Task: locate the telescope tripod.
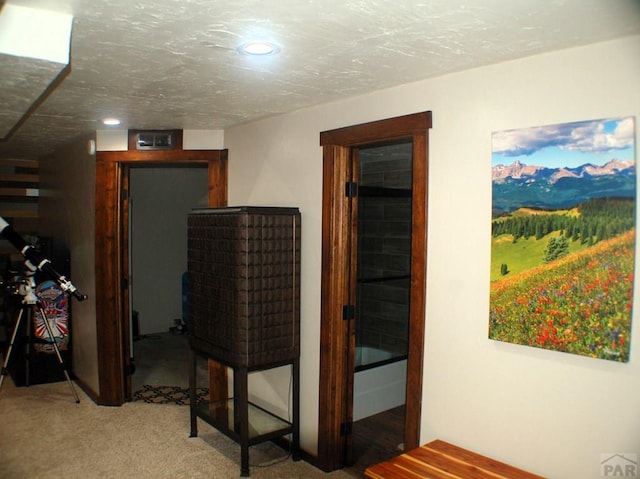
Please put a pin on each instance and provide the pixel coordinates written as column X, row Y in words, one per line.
column 29, row 308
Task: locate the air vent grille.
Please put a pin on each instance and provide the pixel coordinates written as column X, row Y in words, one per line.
column 154, row 140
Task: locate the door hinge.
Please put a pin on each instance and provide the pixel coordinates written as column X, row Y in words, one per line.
column 351, row 189
column 346, row 428
column 124, row 194
column 348, row 311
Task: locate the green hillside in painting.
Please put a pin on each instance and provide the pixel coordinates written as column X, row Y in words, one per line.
column 563, row 280
column 521, row 240
column 578, row 304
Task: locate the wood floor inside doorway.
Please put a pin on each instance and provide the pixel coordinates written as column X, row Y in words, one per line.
column 377, row 438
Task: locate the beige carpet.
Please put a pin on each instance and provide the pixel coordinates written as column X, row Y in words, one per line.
column 44, row 434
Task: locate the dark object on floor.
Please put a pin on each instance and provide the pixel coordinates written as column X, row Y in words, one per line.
column 169, row 395
column 179, row 327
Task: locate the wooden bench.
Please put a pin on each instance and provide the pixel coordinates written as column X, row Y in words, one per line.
column 439, row 460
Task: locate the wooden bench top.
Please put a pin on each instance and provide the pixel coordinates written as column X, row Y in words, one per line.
column 441, row 460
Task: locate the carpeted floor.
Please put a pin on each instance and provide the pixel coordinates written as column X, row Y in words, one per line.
column 161, row 377
column 162, row 359
column 44, row 433
column 162, row 370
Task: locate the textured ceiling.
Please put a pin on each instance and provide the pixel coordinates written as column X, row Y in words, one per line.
column 173, row 64
column 24, row 81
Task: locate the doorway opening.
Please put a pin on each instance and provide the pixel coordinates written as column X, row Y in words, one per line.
column 373, row 295
column 160, row 199
column 112, row 257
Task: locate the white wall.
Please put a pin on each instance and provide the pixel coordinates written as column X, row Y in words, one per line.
column 117, row 139
column 67, row 212
column 549, row 412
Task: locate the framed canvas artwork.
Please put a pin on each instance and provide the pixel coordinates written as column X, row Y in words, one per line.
column 563, row 237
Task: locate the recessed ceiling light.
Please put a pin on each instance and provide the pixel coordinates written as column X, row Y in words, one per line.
column 111, row 121
column 258, row 48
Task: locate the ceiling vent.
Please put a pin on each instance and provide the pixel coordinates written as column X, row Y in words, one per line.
column 155, row 140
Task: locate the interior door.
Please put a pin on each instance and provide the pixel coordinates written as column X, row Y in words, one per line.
column 381, row 209
column 351, row 307
column 384, row 231
column 336, row 334
column 125, row 261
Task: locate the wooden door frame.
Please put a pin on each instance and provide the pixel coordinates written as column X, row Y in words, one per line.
column 334, row 334
column 110, row 252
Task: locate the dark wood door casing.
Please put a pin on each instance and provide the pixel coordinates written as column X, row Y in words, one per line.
column 335, row 290
column 336, row 260
column 109, row 249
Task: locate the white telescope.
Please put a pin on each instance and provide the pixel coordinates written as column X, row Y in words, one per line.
column 36, row 260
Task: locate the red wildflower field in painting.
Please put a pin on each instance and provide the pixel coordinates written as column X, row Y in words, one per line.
column 578, row 304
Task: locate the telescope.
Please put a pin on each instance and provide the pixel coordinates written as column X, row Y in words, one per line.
column 34, row 258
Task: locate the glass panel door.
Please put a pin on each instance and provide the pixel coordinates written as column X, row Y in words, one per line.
column 384, row 253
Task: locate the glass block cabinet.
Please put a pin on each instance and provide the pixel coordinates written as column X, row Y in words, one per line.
column 244, row 313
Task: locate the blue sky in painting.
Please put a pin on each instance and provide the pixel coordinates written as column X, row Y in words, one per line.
column 567, row 144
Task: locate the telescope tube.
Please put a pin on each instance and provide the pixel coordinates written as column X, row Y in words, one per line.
column 38, row 261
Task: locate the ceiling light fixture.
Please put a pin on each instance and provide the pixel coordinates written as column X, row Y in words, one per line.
column 111, row 121
column 258, row 48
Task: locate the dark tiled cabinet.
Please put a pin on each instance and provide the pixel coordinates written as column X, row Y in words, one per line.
column 244, row 312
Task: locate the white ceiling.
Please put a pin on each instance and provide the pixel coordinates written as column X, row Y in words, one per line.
column 163, row 64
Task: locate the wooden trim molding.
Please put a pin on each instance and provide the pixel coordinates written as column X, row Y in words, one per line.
column 335, row 288
column 417, row 309
column 110, row 377
column 389, row 129
column 334, row 386
column 110, row 313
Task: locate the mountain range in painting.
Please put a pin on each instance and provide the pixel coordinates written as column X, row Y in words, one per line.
column 519, row 185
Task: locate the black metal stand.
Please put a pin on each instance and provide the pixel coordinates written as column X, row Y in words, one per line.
column 241, row 420
column 31, row 305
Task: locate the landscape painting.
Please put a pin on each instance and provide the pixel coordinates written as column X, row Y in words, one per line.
column 563, row 237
